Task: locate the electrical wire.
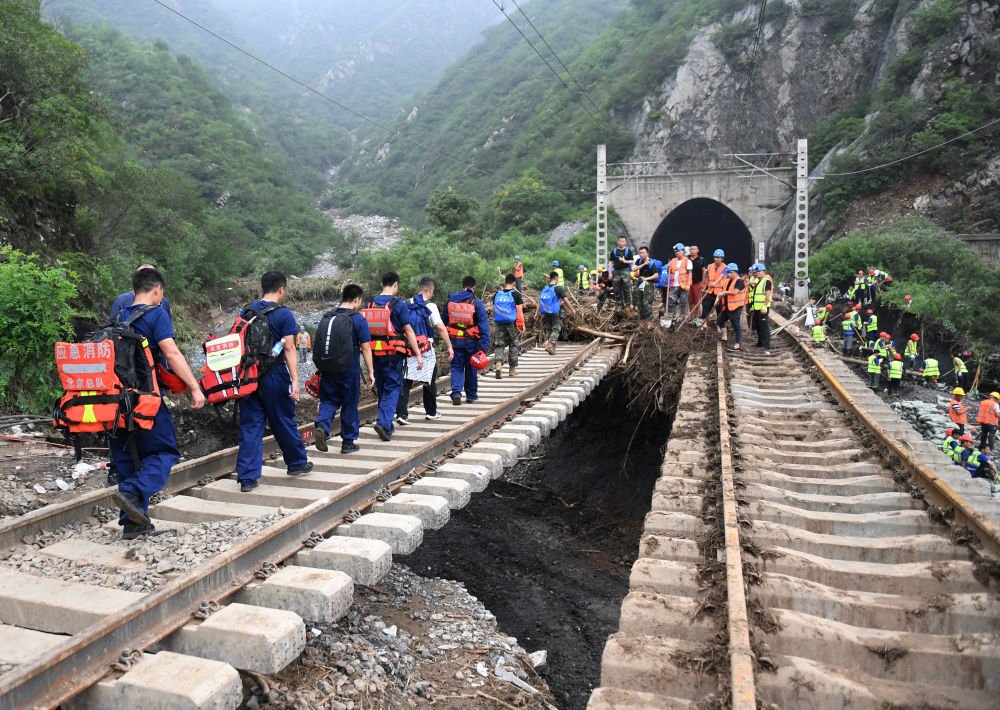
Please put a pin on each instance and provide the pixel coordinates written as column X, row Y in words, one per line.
column 756, row 48
column 541, row 56
column 576, row 81
column 914, row 155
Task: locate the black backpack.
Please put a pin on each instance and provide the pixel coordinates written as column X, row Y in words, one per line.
column 333, row 346
column 257, row 338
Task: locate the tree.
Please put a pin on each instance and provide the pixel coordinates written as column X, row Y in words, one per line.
column 527, row 203
column 449, row 209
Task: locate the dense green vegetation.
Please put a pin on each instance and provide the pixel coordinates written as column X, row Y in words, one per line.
column 948, row 281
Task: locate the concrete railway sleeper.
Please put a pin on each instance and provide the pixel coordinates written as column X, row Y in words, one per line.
column 856, row 591
column 246, row 607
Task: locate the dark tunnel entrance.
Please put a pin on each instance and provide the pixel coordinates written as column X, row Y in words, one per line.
column 709, row 224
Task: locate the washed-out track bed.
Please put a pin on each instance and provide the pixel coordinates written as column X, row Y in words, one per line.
column 233, row 582
column 796, row 557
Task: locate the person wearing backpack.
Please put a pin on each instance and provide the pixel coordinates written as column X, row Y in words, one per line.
column 508, row 325
column 425, row 319
column 622, row 260
column 469, row 329
column 342, row 336
column 143, row 459
column 124, row 300
column 273, row 404
column 550, row 310
column 392, row 332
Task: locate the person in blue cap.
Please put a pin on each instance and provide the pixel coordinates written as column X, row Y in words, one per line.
column 759, row 297
column 556, row 268
column 714, row 277
column 732, row 299
column 582, row 279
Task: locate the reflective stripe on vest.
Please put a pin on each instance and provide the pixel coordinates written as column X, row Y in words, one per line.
column 760, row 297
column 872, row 324
column 987, row 412
column 931, row 368
column 873, row 364
column 910, row 349
column 957, row 412
column 971, row 462
column 736, row 300
column 896, row 370
column 714, row 277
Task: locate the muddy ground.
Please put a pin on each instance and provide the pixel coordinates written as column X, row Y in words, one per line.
column 549, row 547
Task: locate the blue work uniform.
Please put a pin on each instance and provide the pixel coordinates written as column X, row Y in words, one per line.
column 125, row 300
column 342, row 390
column 463, row 374
column 157, row 447
column 389, row 368
column 272, row 406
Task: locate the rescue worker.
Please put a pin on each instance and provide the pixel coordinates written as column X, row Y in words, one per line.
column 342, row 390
column 278, row 390
column 156, row 448
column 987, row 417
column 605, row 289
column 558, row 270
column 698, row 266
column 389, row 353
column 508, row 325
column 857, row 324
column 594, row 275
column 819, row 334
column 647, row 277
column 895, row 373
column 124, row 300
column 949, row 444
column 518, row 273
column 469, row 329
column 713, row 280
column 883, row 346
column 760, row 305
column 957, row 412
column 732, row 299
column 678, row 284
column 822, row 314
column 871, row 326
column 847, row 333
column 582, row 279
column 303, row 342
column 874, row 369
column 550, row 302
column 931, row 370
column 961, row 369
column 910, row 352
column 978, row 463
column 426, row 320
column 622, row 259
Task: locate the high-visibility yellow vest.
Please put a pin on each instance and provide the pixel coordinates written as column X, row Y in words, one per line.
column 960, row 368
column 874, row 365
column 931, row 368
column 819, row 334
column 911, row 348
column 896, row 370
column 759, row 299
column 872, row 324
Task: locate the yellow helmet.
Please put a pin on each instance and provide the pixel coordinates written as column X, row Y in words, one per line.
column 958, row 390
column 600, row 268
column 995, row 395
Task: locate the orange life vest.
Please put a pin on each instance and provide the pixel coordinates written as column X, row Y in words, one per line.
column 462, row 319
column 714, row 277
column 958, row 412
column 519, row 270
column 987, row 412
column 737, row 299
column 385, row 339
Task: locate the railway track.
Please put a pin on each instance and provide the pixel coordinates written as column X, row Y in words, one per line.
column 67, row 636
column 799, row 554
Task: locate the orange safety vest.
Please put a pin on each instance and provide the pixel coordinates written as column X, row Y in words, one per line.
column 958, row 412
column 987, row 412
column 714, row 277
column 737, row 299
column 385, row 340
column 679, row 275
column 518, row 270
column 303, row 341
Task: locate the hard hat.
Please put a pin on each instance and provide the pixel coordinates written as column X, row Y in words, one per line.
column 829, row 307
column 600, row 268
column 479, row 360
column 958, row 390
column 949, row 431
column 883, row 334
column 555, row 263
column 760, row 266
column 582, row 267
column 517, row 257
column 857, row 307
column 897, row 356
column 678, row 247
column 871, row 272
column 966, row 437
column 995, row 395
column 914, row 336
column 861, row 272
column 732, row 266
column 967, row 353
column 719, row 253
column 869, row 311
column 312, row 386
column 846, row 316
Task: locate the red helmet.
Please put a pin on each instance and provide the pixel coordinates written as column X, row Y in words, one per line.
column 312, row 386
column 949, row 431
column 479, row 360
column 829, row 307
column 168, row 380
column 857, row 307
column 897, row 356
column 871, row 272
column 914, row 336
column 966, row 437
column 869, row 311
column 860, row 271
column 846, row 316
column 967, row 353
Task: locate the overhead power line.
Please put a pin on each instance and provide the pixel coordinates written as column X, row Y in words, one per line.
column 541, row 56
column 576, row 81
column 758, row 33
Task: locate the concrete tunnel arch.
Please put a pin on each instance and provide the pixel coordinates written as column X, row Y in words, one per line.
column 709, row 224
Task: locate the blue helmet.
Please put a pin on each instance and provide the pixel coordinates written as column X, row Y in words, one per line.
column 752, row 267
column 732, row 266
column 581, row 267
column 678, row 247
column 760, row 266
column 719, row 253
column 555, row 263
column 517, row 257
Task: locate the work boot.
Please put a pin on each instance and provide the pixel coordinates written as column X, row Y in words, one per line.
column 383, row 433
column 131, row 531
column 550, row 348
column 499, row 371
column 319, row 438
column 132, row 507
column 301, row 470
column 513, row 372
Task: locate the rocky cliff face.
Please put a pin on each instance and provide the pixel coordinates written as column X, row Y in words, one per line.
column 811, row 63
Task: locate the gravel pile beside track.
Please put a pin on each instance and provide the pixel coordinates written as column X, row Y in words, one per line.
column 409, row 642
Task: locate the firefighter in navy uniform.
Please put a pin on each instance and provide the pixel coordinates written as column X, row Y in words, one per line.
column 469, row 330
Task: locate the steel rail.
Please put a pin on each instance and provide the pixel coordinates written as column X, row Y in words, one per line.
column 937, row 491
column 741, row 656
column 183, row 476
column 86, row 657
